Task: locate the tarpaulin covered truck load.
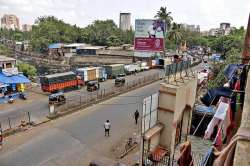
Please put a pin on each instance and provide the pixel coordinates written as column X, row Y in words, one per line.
column 60, row 81
column 87, row 73
column 114, row 70
column 131, row 68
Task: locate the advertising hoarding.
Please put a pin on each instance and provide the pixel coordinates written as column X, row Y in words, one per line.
column 149, row 37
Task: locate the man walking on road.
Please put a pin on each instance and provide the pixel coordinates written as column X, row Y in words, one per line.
column 136, row 116
column 107, row 127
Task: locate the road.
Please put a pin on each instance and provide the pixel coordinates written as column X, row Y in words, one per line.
column 77, row 138
column 38, row 108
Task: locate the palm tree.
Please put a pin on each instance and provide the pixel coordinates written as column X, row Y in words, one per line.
column 163, row 14
column 175, row 33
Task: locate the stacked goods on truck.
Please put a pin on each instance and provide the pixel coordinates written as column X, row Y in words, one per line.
column 113, row 70
column 101, row 74
column 132, row 68
column 87, row 73
column 60, row 81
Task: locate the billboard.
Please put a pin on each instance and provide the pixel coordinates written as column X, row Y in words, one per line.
column 149, row 37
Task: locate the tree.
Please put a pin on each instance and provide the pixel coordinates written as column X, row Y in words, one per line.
column 175, row 34
column 163, row 14
column 233, row 56
column 27, row 69
column 113, row 41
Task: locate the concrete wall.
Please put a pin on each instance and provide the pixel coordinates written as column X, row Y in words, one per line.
column 175, row 104
column 166, row 118
column 243, row 147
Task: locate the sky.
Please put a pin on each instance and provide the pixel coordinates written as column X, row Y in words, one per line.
column 206, row 13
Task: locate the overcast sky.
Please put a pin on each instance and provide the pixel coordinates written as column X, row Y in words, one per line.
column 206, row 13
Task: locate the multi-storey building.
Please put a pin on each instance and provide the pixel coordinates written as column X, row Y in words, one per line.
column 125, row 21
column 10, row 21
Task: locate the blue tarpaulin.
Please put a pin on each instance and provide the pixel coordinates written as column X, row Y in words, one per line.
column 55, row 45
column 204, row 109
column 15, row 79
column 230, row 70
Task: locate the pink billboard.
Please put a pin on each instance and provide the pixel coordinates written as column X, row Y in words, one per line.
column 149, row 44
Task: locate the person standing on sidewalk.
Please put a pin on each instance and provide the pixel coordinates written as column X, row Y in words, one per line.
column 107, row 127
column 136, row 116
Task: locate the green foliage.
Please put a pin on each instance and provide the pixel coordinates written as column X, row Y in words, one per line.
column 27, row 69
column 4, row 50
column 175, row 34
column 106, row 33
column 233, row 56
column 163, row 14
column 49, row 29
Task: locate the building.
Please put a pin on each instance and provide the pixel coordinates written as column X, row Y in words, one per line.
column 7, row 65
column 11, row 81
column 216, row 32
column 192, row 28
column 224, row 25
column 224, row 29
column 125, row 21
column 10, row 21
column 26, row 27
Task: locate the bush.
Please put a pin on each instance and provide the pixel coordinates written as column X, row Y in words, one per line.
column 27, row 69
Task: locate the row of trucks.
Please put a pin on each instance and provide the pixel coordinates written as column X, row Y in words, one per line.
column 92, row 75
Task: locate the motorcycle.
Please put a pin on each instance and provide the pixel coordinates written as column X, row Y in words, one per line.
column 22, row 96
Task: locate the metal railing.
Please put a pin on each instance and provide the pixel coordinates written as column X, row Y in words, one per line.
column 16, row 121
column 83, row 100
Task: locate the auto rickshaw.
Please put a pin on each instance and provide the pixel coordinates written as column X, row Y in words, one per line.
column 57, row 98
column 120, row 80
column 93, row 86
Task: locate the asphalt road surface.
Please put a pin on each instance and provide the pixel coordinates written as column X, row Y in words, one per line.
column 39, row 108
column 77, row 138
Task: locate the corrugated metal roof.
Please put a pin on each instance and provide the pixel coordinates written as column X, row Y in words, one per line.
column 55, row 45
column 75, row 45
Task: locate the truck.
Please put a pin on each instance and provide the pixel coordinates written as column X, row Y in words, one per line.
column 144, row 66
column 114, row 70
column 87, row 73
column 131, row 68
column 101, row 74
column 60, row 81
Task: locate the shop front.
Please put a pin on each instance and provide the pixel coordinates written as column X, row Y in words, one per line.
column 12, row 86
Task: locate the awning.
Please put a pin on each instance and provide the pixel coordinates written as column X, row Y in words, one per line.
column 3, row 85
column 15, row 79
column 20, row 79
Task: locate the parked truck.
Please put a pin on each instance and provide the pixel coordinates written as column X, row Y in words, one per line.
column 60, row 81
column 131, row 68
column 87, row 73
column 101, row 74
column 114, row 70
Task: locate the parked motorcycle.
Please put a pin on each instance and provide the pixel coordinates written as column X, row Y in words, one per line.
column 22, row 96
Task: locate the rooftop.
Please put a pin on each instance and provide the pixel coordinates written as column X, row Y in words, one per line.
column 5, row 58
